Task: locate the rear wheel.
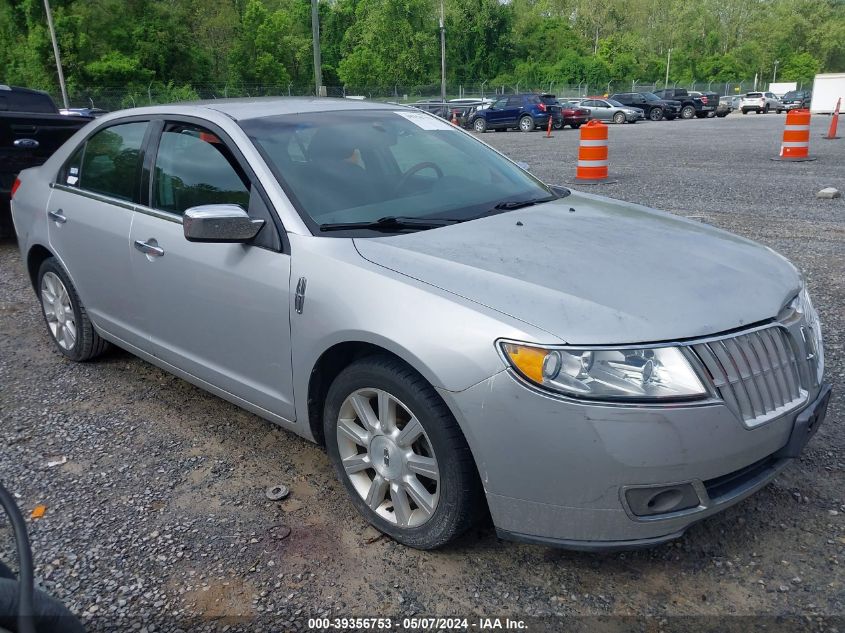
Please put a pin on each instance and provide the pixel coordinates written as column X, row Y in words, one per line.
column 400, row 454
column 744, row 111
column 619, row 117
column 526, row 124
column 711, row 114
column 65, row 316
column 687, row 112
column 656, row 114
column 479, row 125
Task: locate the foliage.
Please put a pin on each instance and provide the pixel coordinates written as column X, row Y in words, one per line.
column 170, row 46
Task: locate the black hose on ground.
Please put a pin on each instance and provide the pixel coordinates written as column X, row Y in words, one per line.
column 26, row 583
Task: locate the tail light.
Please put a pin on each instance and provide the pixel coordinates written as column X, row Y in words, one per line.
column 542, row 106
column 15, row 186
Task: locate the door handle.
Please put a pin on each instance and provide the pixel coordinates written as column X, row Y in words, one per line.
column 57, row 216
column 150, row 248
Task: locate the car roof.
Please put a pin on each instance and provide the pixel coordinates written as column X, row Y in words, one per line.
column 256, row 107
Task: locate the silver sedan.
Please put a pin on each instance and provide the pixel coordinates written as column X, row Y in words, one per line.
column 613, row 111
column 461, row 336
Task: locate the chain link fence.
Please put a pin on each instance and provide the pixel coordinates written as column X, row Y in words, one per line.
column 116, row 98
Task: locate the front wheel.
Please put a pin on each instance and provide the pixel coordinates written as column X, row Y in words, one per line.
column 619, row 117
column 687, row 112
column 66, row 318
column 656, row 114
column 400, row 454
column 711, row 114
column 479, row 125
column 526, row 124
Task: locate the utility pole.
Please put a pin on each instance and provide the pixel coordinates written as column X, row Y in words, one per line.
column 668, row 61
column 775, row 74
column 442, row 52
column 315, row 34
column 56, row 53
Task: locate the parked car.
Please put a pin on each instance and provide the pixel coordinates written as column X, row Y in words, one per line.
column 654, row 107
column 479, row 103
column 726, row 106
column 690, row 106
column 31, row 129
column 797, row 99
column 523, row 112
column 253, row 248
column 572, row 114
column 710, row 101
column 759, row 102
column 610, row 110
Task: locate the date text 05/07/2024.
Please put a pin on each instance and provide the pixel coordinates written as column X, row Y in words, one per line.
column 418, row 624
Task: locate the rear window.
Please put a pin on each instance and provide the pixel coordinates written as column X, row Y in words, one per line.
column 754, row 95
column 28, row 102
column 548, row 99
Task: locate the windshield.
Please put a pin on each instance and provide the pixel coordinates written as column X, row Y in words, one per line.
column 650, row 96
column 793, row 95
column 360, row 166
column 614, row 103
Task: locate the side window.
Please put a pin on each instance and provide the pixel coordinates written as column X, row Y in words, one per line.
column 73, row 168
column 110, row 161
column 514, row 102
column 193, row 167
column 500, row 104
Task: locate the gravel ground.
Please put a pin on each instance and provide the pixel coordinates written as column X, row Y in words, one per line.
column 158, row 518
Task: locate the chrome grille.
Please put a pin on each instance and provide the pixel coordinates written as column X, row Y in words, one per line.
column 756, row 373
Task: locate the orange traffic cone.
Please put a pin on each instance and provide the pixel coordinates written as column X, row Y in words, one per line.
column 455, row 118
column 796, row 137
column 592, row 154
column 834, row 122
column 549, row 128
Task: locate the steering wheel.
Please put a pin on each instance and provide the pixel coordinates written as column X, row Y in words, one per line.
column 403, row 179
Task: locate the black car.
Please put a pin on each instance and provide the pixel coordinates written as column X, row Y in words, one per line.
column 31, row 129
column 654, row 107
column 797, row 99
column 691, row 106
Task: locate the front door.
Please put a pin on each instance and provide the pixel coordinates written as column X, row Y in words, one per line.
column 89, row 218
column 218, row 311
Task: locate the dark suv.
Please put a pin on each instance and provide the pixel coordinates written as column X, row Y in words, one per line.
column 654, row 107
column 522, row 112
column 795, row 99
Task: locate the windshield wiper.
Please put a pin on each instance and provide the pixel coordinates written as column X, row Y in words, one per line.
column 510, row 205
column 390, row 223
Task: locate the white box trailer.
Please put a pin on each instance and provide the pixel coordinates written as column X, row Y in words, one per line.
column 780, row 88
column 827, row 89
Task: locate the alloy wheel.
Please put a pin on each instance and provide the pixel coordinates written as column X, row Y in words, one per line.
column 58, row 310
column 388, row 457
column 526, row 124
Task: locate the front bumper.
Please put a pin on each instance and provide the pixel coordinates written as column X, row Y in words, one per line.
column 634, row 116
column 556, row 472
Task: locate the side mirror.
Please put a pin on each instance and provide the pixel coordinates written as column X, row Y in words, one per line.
column 219, row 223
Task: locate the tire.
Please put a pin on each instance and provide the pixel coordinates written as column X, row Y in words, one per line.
column 558, row 126
column 655, row 114
column 480, row 125
column 711, row 114
column 455, row 494
column 49, row 614
column 722, row 115
column 526, row 124
column 7, row 228
column 575, row 126
column 766, row 109
column 687, row 112
column 619, row 117
column 70, row 327
column 744, row 111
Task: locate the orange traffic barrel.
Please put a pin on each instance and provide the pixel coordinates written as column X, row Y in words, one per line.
column 592, row 154
column 796, row 137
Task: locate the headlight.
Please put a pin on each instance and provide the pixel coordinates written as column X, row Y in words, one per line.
column 660, row 373
column 812, row 331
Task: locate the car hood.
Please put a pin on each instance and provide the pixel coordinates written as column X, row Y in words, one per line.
column 592, row 270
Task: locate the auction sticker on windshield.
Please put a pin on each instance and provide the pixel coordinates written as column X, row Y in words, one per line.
column 426, row 121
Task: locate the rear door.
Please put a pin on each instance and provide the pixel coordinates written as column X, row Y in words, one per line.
column 89, row 219
column 217, row 311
